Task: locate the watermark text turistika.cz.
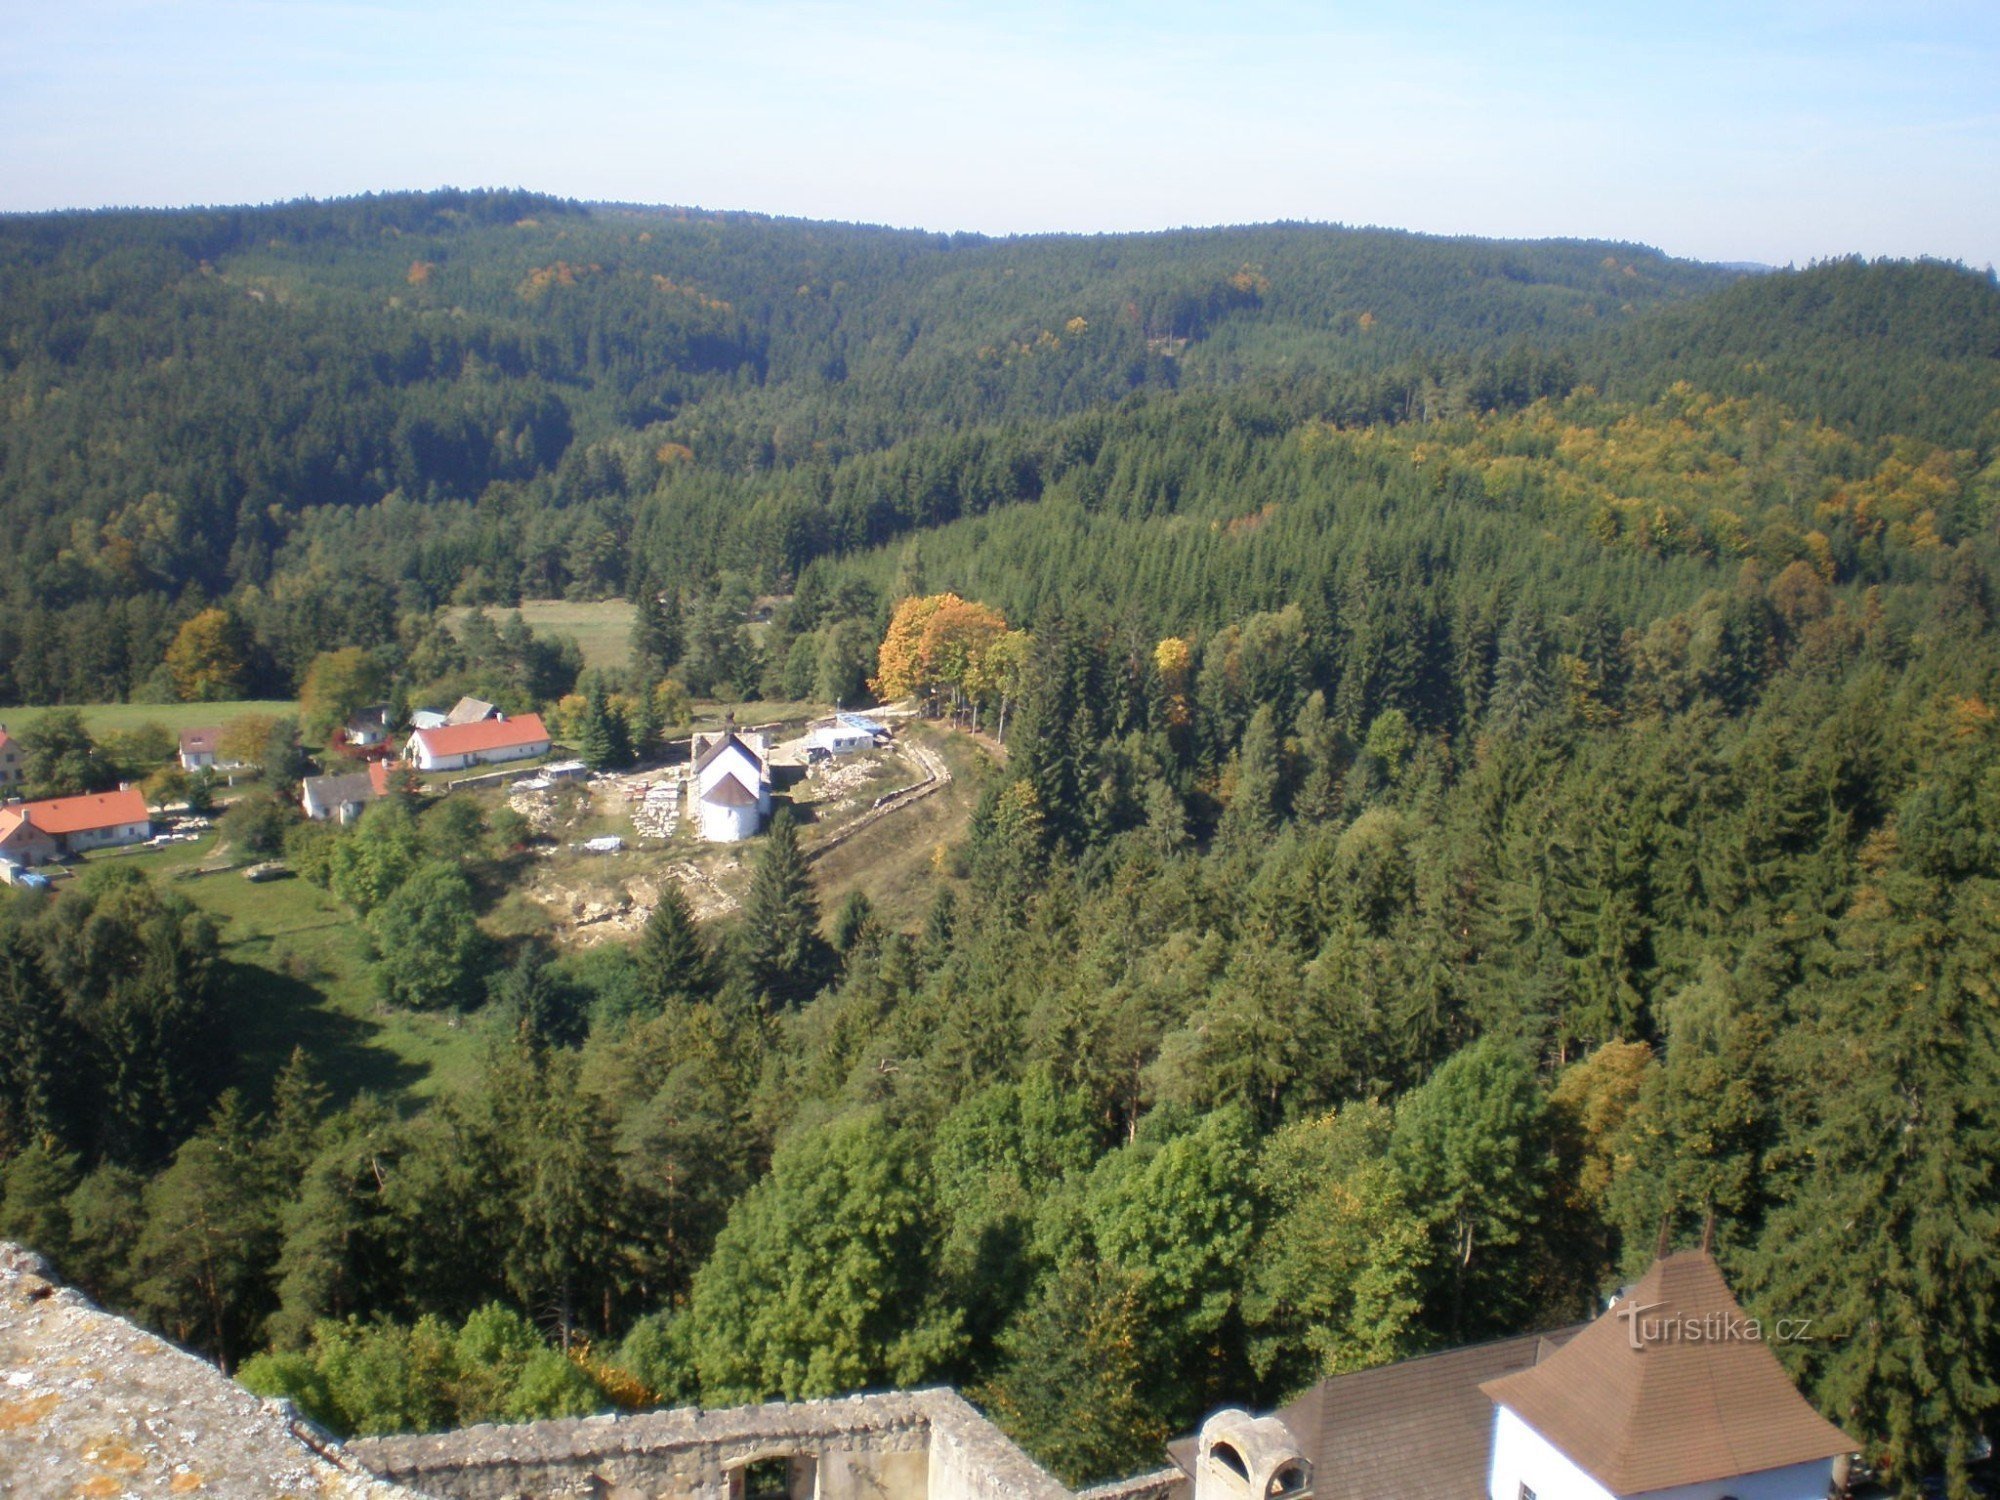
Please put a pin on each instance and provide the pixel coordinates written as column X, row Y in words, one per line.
column 1645, row 1326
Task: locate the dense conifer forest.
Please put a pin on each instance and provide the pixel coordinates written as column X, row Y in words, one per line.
column 1501, row 764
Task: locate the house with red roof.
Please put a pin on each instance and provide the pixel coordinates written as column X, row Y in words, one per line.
column 32, row 833
column 453, row 747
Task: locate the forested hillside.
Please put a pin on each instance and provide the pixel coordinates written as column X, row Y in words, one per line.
column 1501, row 758
column 472, row 395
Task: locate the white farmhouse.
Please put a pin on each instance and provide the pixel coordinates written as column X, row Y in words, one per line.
column 456, row 746
column 731, row 786
column 341, row 798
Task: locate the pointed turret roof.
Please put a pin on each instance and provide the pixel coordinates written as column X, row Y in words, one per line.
column 728, row 791
column 1674, row 1385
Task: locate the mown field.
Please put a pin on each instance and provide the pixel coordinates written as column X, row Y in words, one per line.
column 298, row 974
column 602, row 629
column 110, row 718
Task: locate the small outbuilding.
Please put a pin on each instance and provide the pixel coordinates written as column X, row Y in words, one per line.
column 848, row 734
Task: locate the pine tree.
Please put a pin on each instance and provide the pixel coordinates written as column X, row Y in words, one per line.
column 1072, row 1389
column 1888, row 1238
column 1255, row 810
column 1523, row 687
column 37, row 1049
column 546, row 1012
column 602, row 740
column 782, row 957
column 34, row 1211
column 1318, row 799
column 211, row 1228
column 675, row 968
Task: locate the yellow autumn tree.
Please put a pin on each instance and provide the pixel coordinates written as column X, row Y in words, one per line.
column 1003, row 675
column 1173, row 659
column 206, row 660
column 898, row 669
column 952, row 651
column 939, row 641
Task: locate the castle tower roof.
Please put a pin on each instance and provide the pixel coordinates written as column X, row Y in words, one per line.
column 1675, row 1385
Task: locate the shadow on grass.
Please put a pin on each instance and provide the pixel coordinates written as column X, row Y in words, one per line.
column 268, row 1014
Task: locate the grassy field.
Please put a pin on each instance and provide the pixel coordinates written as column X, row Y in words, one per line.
column 109, row 718
column 893, row 861
column 297, row 970
column 602, row 629
column 296, row 973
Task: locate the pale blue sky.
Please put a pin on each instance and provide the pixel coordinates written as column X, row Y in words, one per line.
column 1747, row 131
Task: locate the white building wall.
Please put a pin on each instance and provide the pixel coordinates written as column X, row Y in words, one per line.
column 1522, row 1456
column 1798, row 1482
column 727, row 825
column 514, row 752
column 838, row 739
column 104, row 838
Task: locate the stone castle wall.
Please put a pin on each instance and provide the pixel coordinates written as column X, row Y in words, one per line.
column 916, row 1445
column 92, row 1406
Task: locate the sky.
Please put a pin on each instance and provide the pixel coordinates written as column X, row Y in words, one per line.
column 1775, row 132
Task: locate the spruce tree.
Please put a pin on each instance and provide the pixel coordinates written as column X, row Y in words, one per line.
column 783, row 959
column 37, row 1048
column 675, row 969
column 1523, row 687
column 1888, row 1239
column 1255, row 809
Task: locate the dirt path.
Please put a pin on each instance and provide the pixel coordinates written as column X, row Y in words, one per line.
column 936, row 776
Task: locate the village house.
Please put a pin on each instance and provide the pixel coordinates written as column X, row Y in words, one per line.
column 342, row 798
column 199, row 751
column 32, row 833
column 10, row 761
column 731, row 785
column 368, row 727
column 482, row 742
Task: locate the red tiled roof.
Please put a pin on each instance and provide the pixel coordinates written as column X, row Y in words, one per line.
column 1676, row 1409
column 85, row 814
column 486, row 734
column 199, row 741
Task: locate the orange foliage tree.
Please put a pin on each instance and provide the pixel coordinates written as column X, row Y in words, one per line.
column 939, row 641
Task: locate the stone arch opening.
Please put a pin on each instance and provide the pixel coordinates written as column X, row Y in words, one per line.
column 775, row 1476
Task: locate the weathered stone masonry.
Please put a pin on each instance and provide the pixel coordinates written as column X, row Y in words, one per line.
column 916, row 1445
